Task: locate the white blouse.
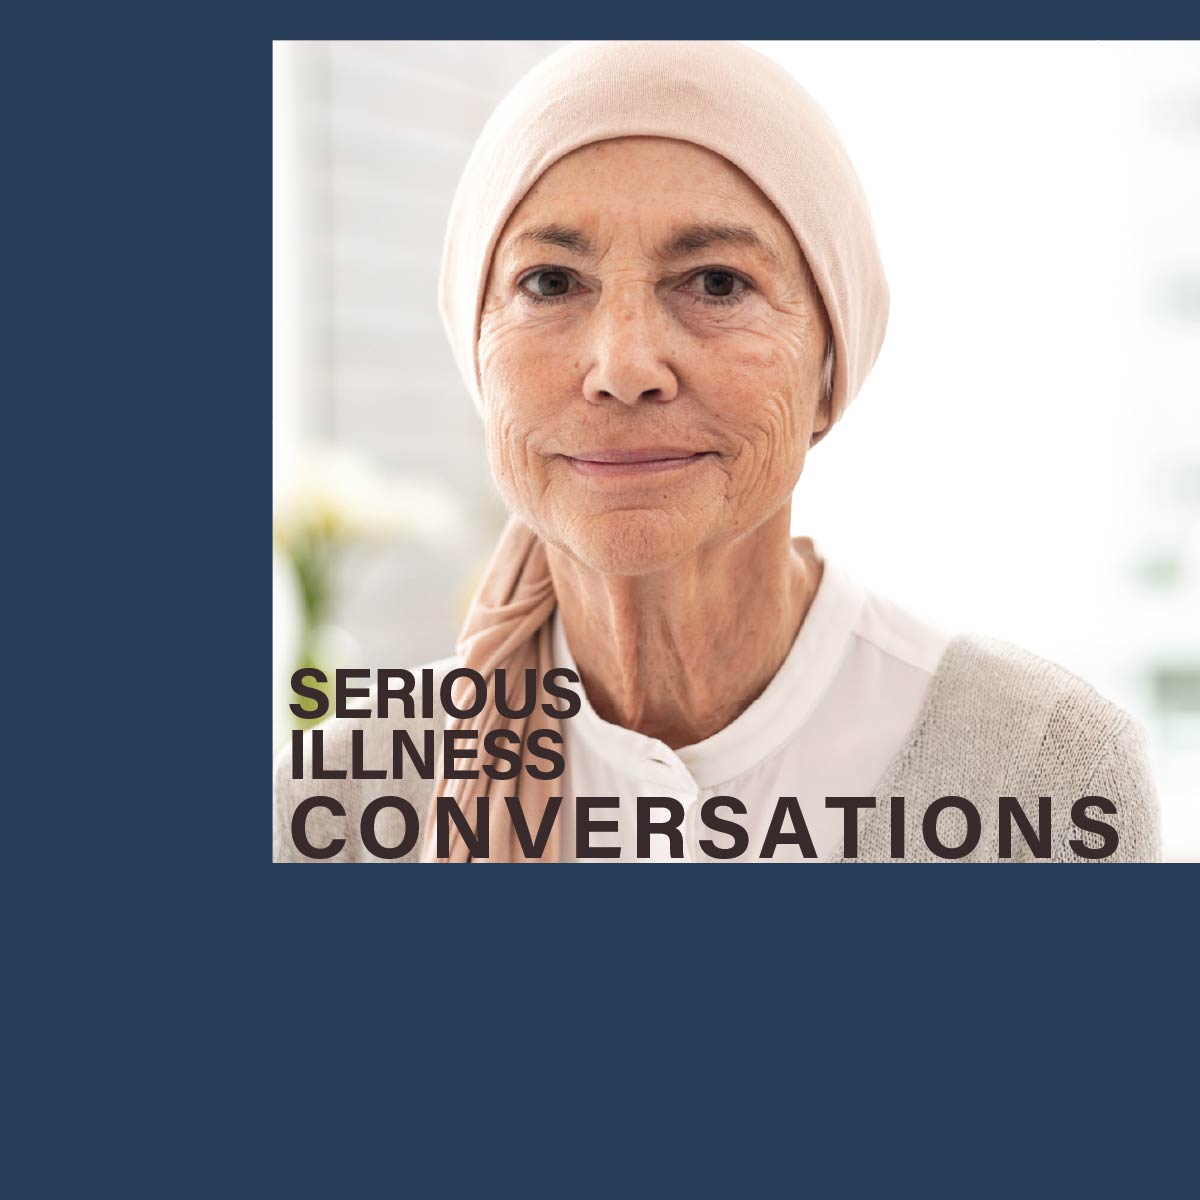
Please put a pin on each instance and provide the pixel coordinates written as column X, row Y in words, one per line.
column 829, row 724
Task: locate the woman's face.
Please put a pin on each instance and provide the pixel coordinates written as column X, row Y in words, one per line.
column 650, row 351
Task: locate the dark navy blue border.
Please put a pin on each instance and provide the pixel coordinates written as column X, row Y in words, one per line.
column 194, row 1019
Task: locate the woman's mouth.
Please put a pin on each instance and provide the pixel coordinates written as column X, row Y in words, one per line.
column 641, row 461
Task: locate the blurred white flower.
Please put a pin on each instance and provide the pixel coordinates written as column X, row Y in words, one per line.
column 330, row 492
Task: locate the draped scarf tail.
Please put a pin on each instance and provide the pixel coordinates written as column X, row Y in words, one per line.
column 507, row 626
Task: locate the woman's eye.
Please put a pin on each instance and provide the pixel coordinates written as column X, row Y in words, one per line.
column 717, row 287
column 548, row 284
column 711, row 286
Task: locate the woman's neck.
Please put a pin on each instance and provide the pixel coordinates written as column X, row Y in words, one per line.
column 679, row 654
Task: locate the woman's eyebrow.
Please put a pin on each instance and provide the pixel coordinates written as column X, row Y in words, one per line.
column 554, row 235
column 682, row 242
column 691, row 238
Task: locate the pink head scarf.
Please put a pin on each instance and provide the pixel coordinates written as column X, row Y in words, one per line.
column 726, row 98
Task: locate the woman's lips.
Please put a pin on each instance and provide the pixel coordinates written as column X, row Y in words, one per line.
column 634, row 462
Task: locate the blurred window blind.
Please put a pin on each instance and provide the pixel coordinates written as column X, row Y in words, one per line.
column 386, row 128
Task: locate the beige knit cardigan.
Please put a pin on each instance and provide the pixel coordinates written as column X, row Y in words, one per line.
column 997, row 721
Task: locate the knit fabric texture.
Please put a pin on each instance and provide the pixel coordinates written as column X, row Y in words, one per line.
column 997, row 721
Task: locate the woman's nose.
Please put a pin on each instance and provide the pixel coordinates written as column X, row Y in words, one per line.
column 629, row 348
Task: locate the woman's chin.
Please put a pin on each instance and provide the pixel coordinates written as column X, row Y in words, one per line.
column 631, row 541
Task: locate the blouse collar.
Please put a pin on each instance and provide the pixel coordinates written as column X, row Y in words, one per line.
column 772, row 719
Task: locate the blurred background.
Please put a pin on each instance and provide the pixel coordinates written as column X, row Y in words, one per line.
column 1024, row 460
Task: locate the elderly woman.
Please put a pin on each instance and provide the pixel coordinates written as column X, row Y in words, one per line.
column 662, row 287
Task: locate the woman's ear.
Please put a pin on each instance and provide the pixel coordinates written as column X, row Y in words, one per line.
column 821, row 422
column 823, row 417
